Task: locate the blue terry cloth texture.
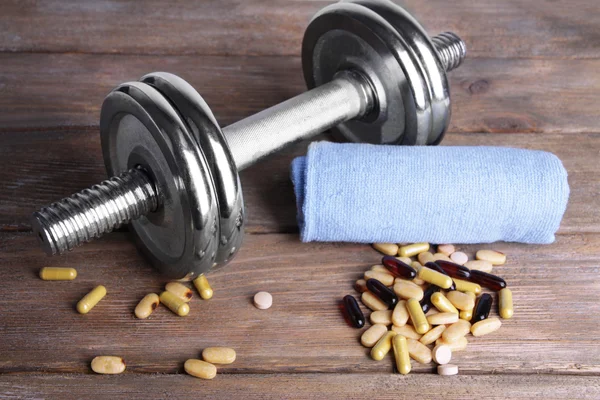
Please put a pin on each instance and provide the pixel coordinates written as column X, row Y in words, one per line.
column 440, row 194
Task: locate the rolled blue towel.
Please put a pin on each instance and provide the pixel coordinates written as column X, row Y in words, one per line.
column 440, row 194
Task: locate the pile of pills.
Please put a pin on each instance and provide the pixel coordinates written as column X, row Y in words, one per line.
column 431, row 304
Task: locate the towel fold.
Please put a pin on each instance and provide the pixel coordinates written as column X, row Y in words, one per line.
column 364, row 193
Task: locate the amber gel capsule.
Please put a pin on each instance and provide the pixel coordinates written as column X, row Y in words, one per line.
column 398, row 268
column 454, row 270
column 490, row 281
column 482, row 308
column 354, row 312
column 434, row 266
column 426, row 300
column 383, row 292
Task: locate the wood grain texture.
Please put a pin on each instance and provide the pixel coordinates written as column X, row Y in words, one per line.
column 554, row 330
column 39, row 167
column 524, row 29
column 488, row 94
column 301, row 386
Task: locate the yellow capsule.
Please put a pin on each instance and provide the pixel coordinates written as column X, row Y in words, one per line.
column 413, row 249
column 58, row 274
column 433, row 334
column 385, row 278
column 407, row 331
column 373, row 302
column 426, row 257
column 383, row 346
column 457, row 330
column 174, row 303
column 91, row 299
column 418, row 351
column 400, row 314
column 434, row 277
column 505, row 303
column 442, row 318
column 147, row 305
column 458, row 345
column 218, row 355
column 485, row 326
column 417, row 316
column 203, row 287
column 407, row 290
column 467, row 314
column 401, row 354
column 389, row 249
column 461, row 301
column 200, row 369
column 442, row 303
column 179, row 290
column 372, row 335
column 466, row 286
column 108, row 365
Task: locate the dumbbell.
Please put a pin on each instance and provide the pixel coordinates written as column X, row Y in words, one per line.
column 374, row 76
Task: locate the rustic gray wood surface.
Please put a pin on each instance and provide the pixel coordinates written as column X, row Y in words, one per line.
column 531, row 80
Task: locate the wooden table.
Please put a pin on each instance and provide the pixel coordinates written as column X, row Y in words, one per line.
column 531, row 80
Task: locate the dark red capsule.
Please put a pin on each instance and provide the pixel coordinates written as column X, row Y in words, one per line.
column 454, row 270
column 482, row 308
column 353, row 311
column 398, row 268
column 490, row 281
column 426, row 300
column 433, row 265
column 382, row 292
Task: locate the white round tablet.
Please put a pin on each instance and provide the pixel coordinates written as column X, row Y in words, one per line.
column 459, row 257
column 263, row 300
column 442, row 354
column 447, row 369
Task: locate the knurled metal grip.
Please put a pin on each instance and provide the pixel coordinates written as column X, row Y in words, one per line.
column 375, row 77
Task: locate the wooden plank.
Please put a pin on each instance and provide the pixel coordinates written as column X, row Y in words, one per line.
column 39, row 167
column 491, row 29
column 554, row 331
column 489, row 95
column 298, row 386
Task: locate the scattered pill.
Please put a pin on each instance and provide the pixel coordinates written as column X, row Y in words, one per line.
column 457, row 330
column 174, row 303
column 440, row 256
column 459, row 257
column 179, row 290
column 407, row 331
column 382, row 292
column 482, row 307
column 426, row 257
column 405, row 260
column 486, row 326
column 458, row 345
column 372, row 302
column 494, row 257
column 418, row 351
column 147, row 305
column 407, row 290
column 203, row 287
column 58, row 274
column 380, row 268
column 505, row 303
column 417, row 316
column 447, row 370
column 360, row 286
column 453, row 269
column 386, row 278
column 441, row 354
column 399, row 268
column 479, row 265
column 460, row 300
column 200, row 369
column 466, row 286
column 218, row 355
column 490, row 281
column 413, row 249
column 401, row 354
column 467, row 315
column 446, row 249
column 442, row 303
column 90, row 300
column 383, row 346
column 108, row 365
column 434, row 277
column 372, row 335
column 433, row 334
column 400, row 314
column 442, row 318
column 381, row 317
column 263, row 300
column 389, row 249
column 353, row 312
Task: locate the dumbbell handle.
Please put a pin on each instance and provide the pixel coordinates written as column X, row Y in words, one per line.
column 92, row 212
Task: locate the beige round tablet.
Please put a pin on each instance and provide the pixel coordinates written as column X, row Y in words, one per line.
column 459, row 257
column 263, row 300
column 442, row 354
column 447, row 369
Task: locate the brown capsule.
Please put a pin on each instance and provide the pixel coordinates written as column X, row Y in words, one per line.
column 434, row 266
column 454, row 270
column 354, row 312
column 482, row 308
column 398, row 268
column 382, row 292
column 490, row 281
